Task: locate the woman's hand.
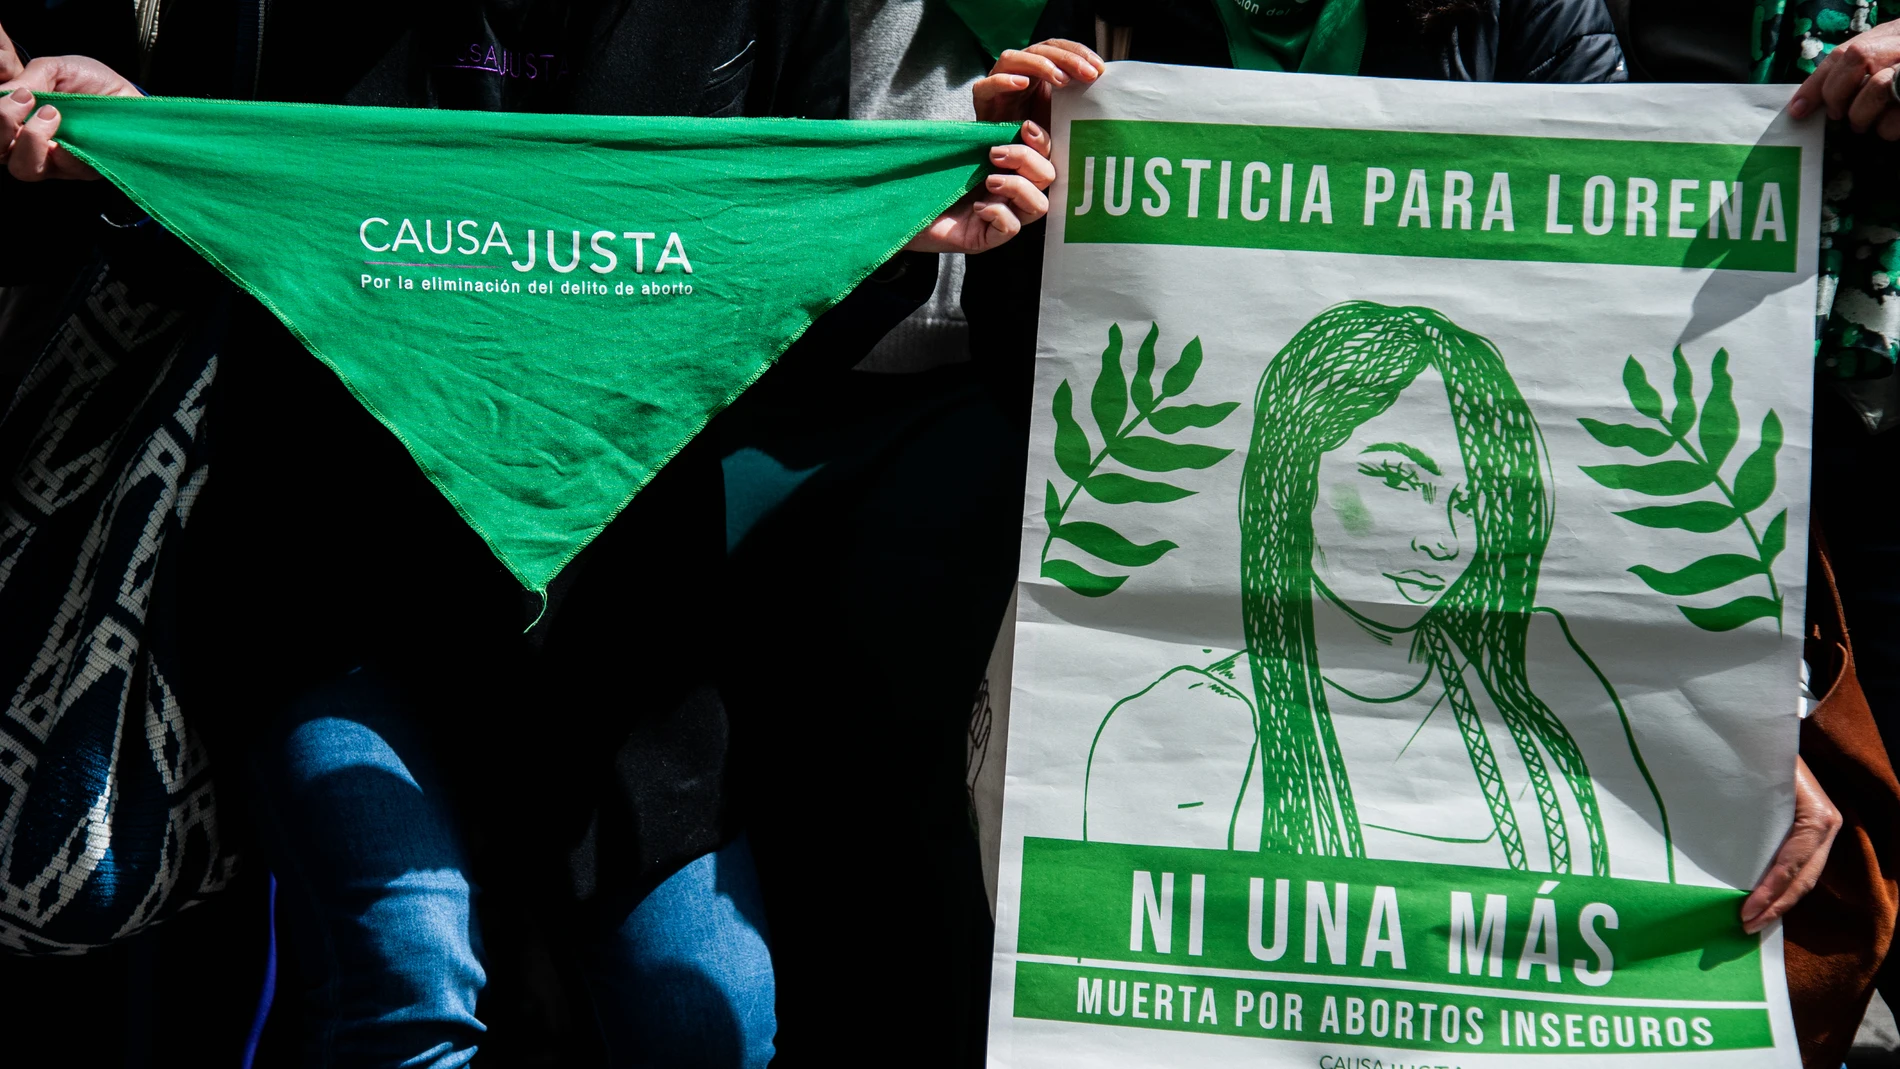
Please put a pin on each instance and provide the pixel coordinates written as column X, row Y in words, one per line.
column 1797, row 865
column 26, row 132
column 1009, row 200
column 1019, row 86
column 1855, row 82
column 1016, row 90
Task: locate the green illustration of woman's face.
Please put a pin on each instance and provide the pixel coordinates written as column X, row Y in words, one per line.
column 1391, row 524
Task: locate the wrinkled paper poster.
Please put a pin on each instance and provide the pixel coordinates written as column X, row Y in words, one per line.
column 1407, row 668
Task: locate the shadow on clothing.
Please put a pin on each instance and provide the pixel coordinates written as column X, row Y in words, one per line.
column 884, row 522
column 179, row 994
column 1853, row 472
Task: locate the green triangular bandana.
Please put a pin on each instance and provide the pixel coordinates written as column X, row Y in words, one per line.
column 1000, row 25
column 543, row 308
column 1312, row 36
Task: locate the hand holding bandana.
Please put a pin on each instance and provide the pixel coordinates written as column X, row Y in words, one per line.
column 1010, row 201
column 543, row 308
column 27, row 147
column 1019, row 85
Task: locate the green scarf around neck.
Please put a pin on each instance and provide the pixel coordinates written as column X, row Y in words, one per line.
column 1308, row 36
column 544, row 309
column 1000, row 25
column 1312, row 36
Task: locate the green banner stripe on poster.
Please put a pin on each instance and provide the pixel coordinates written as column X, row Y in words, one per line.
column 1386, row 921
column 543, row 308
column 1371, row 1021
column 1402, row 646
column 1470, row 196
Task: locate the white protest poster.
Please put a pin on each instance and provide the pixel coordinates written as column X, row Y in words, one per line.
column 1407, row 660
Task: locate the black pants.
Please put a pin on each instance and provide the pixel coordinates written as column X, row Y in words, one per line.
column 875, row 526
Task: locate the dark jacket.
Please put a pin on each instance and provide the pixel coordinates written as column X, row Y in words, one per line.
column 1446, row 40
column 595, row 57
column 1688, row 40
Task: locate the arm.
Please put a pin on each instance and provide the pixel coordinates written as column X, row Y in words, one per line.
column 1017, row 90
column 1001, row 290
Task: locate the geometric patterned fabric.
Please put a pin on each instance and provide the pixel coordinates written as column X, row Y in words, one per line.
column 108, row 820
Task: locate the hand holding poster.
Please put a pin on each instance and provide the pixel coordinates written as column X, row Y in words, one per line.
column 1409, row 630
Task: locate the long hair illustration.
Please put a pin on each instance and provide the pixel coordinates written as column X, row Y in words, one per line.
column 1345, row 367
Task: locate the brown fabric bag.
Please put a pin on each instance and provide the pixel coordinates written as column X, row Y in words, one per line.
column 1837, row 937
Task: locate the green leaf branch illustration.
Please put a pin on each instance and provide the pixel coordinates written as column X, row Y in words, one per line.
column 1110, row 403
column 1716, row 429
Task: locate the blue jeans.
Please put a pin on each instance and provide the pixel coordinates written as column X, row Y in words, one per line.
column 378, row 900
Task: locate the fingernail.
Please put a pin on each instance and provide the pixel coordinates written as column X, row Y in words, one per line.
column 24, row 96
column 994, row 183
column 1060, row 78
column 1799, row 109
column 999, row 155
column 1030, row 129
column 49, row 112
column 1019, row 81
